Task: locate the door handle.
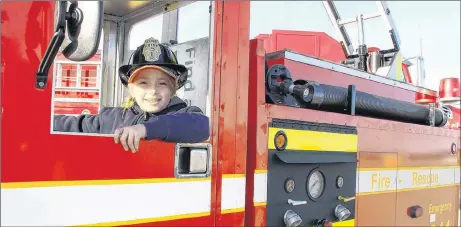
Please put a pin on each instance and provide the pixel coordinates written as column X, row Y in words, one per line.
column 296, row 203
column 192, row 160
column 346, row 199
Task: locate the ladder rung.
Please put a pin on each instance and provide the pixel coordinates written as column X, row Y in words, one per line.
column 348, row 21
column 365, row 17
column 371, row 15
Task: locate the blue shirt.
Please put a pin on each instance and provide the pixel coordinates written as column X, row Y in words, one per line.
column 177, row 123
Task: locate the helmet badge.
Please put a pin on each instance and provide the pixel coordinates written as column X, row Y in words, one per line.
column 151, row 49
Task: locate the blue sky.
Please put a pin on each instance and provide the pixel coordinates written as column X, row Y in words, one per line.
column 437, row 23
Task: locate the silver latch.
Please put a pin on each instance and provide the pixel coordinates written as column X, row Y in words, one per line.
column 296, row 203
column 431, row 114
column 192, row 160
column 198, row 160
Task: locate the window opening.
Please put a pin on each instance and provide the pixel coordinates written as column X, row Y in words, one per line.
column 77, row 85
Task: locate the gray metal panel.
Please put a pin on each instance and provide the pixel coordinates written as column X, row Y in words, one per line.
column 195, row 56
column 278, row 172
column 109, row 64
column 119, row 88
column 210, row 61
column 350, row 71
column 170, row 26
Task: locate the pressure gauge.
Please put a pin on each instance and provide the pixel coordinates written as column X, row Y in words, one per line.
column 289, row 185
column 315, row 184
column 339, row 182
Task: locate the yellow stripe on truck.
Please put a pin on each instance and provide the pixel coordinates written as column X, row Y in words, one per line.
column 350, row 222
column 151, row 220
column 44, row 184
column 304, row 140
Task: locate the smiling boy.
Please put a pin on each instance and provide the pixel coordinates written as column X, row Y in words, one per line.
column 152, row 111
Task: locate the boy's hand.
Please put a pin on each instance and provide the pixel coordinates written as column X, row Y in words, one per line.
column 130, row 136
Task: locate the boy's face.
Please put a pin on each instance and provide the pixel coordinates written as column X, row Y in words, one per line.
column 152, row 89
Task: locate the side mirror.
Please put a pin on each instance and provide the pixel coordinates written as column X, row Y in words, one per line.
column 84, row 24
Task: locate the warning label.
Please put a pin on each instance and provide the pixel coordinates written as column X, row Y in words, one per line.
column 440, row 208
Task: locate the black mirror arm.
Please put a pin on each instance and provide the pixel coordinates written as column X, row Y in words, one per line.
column 50, row 54
column 83, row 33
column 53, row 47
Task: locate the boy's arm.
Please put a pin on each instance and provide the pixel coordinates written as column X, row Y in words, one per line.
column 188, row 125
column 82, row 123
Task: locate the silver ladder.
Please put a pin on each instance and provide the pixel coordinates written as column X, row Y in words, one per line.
column 338, row 23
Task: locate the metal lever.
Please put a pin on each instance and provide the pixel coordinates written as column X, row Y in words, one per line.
column 296, row 203
column 346, row 199
column 192, row 160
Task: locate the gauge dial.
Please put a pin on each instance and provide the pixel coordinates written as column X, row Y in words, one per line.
column 339, row 182
column 316, row 184
column 289, row 185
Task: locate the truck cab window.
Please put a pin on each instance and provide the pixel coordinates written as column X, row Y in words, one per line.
column 86, row 88
column 151, row 27
column 196, row 27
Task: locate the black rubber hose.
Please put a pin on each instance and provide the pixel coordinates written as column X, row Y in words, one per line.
column 335, row 99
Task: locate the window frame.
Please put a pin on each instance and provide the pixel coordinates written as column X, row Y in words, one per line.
column 132, row 19
column 115, row 52
column 58, row 69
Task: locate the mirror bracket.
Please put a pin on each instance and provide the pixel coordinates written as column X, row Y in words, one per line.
column 52, row 50
column 50, row 54
column 73, row 19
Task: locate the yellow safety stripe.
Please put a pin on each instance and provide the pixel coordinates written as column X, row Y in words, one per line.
column 304, row 140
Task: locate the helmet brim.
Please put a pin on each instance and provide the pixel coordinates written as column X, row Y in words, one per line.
column 125, row 72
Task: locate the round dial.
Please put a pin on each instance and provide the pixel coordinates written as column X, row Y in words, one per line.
column 316, row 184
column 289, row 185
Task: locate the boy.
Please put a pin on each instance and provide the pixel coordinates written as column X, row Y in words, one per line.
column 151, row 111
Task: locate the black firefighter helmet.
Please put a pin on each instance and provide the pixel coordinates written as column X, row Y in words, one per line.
column 152, row 53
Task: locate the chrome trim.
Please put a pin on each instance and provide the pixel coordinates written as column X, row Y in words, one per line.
column 53, row 84
column 349, row 71
column 112, row 18
column 109, row 64
column 211, row 41
column 120, row 55
column 81, row 89
column 205, row 146
column 80, row 134
column 65, row 62
column 76, row 100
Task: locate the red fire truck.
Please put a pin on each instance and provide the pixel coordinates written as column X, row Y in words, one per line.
column 306, row 130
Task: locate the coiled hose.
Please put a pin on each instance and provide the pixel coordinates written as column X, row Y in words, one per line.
column 330, row 98
column 336, row 98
